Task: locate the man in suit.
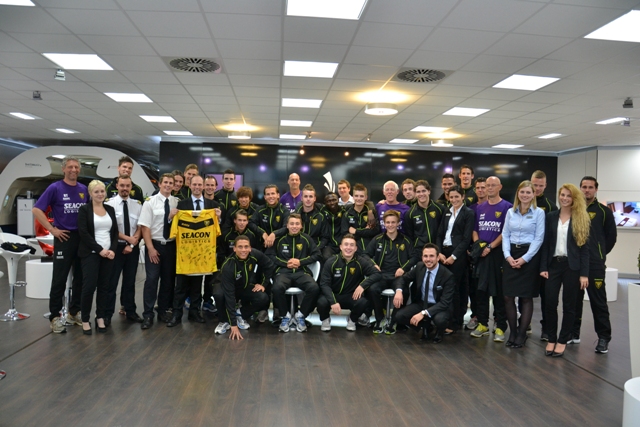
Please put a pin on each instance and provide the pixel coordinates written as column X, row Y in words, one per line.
column 191, row 285
column 431, row 294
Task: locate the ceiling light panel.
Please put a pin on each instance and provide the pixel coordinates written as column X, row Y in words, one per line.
column 296, row 123
column 611, row 121
column 509, row 146
column 301, row 103
column 63, row 130
column 23, row 116
column 177, row 132
column 324, row 70
column 289, row 136
column 17, row 2
column 336, row 9
column 466, row 112
column 624, row 29
column 403, row 141
column 428, row 129
column 550, row 136
column 128, row 97
column 73, row 61
column 158, row 119
column 522, row 82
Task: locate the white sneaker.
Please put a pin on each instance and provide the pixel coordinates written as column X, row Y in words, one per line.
column 363, row 320
column 222, row 328
column 351, row 325
column 74, row 320
column 242, row 324
column 284, row 323
column 326, row 325
column 301, row 325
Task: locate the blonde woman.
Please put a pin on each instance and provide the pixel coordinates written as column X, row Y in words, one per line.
column 522, row 237
column 564, row 263
column 98, row 231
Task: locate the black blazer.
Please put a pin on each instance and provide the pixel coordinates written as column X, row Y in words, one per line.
column 578, row 256
column 187, row 204
column 87, row 231
column 444, row 287
column 461, row 231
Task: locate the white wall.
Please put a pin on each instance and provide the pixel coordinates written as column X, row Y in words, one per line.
column 618, row 174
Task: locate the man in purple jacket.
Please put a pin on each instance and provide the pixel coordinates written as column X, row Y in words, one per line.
column 292, row 197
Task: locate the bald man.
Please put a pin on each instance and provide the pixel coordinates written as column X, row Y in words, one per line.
column 292, row 197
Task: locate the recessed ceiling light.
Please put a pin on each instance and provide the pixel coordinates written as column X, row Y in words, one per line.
column 63, row 130
column 550, row 136
column 324, row 70
column 467, row 112
column 403, row 141
column 443, row 135
column 23, row 116
column 239, row 127
column 301, row 103
column 17, row 2
column 178, row 132
column 624, row 29
column 248, row 154
column 610, row 121
column 158, row 119
column 59, row 156
column 289, row 136
column 441, row 143
column 128, row 97
column 428, row 129
column 296, row 123
column 522, row 82
column 336, row 9
column 240, row 135
column 511, row 146
column 381, row 109
column 74, row 61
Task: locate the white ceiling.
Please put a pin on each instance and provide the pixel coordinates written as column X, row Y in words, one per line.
column 481, row 41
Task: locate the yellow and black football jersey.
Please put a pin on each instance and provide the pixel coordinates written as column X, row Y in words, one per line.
column 195, row 241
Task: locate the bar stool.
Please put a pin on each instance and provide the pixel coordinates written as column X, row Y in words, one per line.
column 13, row 258
column 292, row 292
column 389, row 293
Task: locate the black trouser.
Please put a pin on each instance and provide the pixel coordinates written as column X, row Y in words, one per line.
column 498, row 296
column 597, row 292
column 251, row 302
column 65, row 257
column 560, row 275
column 299, row 279
column 374, row 295
column 127, row 265
column 210, row 283
column 440, row 320
column 96, row 272
column 346, row 301
column 461, row 295
column 165, row 271
column 187, row 286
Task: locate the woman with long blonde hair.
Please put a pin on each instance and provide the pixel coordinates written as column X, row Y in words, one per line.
column 564, row 263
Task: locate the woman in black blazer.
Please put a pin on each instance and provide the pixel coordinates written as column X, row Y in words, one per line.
column 453, row 255
column 98, row 231
column 564, row 262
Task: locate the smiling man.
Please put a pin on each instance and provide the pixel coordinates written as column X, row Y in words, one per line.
column 390, row 202
column 125, row 167
column 466, row 183
column 270, row 221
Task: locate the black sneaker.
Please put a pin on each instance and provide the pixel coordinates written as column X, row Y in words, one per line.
column 575, row 339
column 603, row 346
column 544, row 337
column 378, row 328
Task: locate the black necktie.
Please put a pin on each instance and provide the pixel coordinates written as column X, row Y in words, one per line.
column 427, row 285
column 197, row 204
column 127, row 224
column 167, row 229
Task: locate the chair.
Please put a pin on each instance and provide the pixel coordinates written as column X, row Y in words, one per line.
column 389, row 293
column 13, row 259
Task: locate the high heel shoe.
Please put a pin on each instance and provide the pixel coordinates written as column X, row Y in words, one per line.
column 520, row 345
column 558, row 353
column 102, row 330
column 548, row 352
column 86, row 331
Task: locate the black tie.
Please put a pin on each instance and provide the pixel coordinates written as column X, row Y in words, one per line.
column 127, row 224
column 427, row 285
column 167, row 229
column 197, row 204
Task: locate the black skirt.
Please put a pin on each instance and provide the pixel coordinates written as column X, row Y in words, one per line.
column 524, row 281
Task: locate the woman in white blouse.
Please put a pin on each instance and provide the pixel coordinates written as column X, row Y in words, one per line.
column 98, row 231
column 564, row 263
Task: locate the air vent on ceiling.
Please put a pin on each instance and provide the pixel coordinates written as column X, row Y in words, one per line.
column 194, row 65
column 421, row 75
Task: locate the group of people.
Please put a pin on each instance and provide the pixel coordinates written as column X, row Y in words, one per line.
column 435, row 256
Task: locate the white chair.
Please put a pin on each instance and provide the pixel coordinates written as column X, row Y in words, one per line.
column 389, row 293
column 315, row 270
column 293, row 291
column 13, row 259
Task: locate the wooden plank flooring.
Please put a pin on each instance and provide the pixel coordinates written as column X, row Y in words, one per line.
column 188, row 376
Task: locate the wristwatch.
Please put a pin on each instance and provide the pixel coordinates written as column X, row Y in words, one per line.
column 425, row 313
column 132, row 246
column 489, row 246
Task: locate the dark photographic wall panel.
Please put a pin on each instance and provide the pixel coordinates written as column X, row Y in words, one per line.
column 323, row 167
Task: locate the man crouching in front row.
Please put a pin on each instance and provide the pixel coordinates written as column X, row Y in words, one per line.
column 431, row 295
column 344, row 278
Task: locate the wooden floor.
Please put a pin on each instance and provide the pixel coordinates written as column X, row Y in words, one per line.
column 187, row 376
